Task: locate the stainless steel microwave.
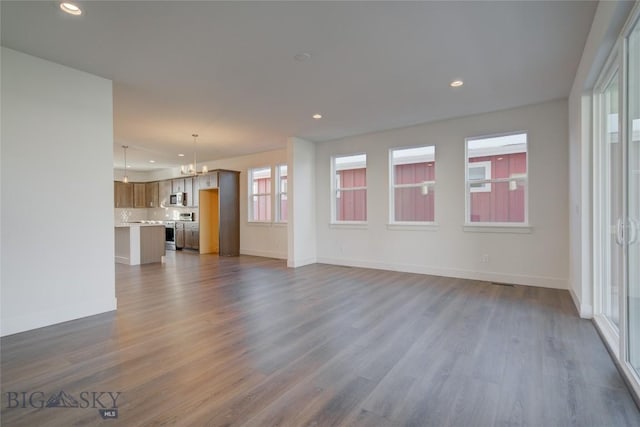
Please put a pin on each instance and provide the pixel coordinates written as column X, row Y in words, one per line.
column 178, row 199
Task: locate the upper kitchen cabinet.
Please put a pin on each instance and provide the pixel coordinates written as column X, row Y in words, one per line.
column 139, row 199
column 193, row 191
column 164, row 191
column 188, row 189
column 208, row 181
column 152, row 194
column 177, row 185
column 122, row 194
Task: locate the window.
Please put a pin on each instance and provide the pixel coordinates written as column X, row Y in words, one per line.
column 496, row 181
column 281, row 193
column 349, row 200
column 260, row 194
column 479, row 171
column 412, row 179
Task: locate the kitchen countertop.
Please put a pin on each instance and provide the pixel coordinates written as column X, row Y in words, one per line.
column 136, row 224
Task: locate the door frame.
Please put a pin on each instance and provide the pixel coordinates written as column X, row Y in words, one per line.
column 618, row 60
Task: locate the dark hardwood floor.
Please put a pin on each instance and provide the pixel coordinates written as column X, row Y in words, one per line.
column 203, row 340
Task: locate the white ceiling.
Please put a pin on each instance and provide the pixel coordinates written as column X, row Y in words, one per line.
column 226, row 70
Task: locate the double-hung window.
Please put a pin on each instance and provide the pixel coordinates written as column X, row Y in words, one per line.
column 349, row 188
column 281, row 193
column 412, row 179
column 260, row 194
column 496, row 180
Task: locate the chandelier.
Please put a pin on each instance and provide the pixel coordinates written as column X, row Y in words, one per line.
column 192, row 168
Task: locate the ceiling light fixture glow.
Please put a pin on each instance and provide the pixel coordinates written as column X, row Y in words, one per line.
column 303, row 56
column 152, row 161
column 317, row 116
column 180, row 155
column 71, row 8
column 456, row 83
column 125, row 178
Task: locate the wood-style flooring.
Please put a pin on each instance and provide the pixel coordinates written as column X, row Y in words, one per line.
column 211, row 341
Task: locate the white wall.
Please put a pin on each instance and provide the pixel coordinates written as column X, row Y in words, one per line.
column 260, row 239
column 302, row 202
column 607, row 23
column 57, row 194
column 538, row 258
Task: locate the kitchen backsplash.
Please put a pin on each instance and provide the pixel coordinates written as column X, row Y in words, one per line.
column 155, row 214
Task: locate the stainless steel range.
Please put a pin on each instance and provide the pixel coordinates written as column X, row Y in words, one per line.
column 170, row 235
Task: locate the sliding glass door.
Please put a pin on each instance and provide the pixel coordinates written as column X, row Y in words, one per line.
column 633, row 199
column 617, row 201
column 612, row 197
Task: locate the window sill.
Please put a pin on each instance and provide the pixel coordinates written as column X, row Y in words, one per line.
column 260, row 223
column 349, row 225
column 425, row 226
column 498, row 228
column 279, row 224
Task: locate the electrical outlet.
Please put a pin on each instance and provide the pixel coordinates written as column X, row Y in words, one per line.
column 484, row 259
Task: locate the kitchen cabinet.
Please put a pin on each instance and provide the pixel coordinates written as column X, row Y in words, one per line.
column 152, row 195
column 139, row 243
column 122, row 194
column 177, row 185
column 139, row 199
column 229, row 212
column 192, row 236
column 188, row 189
column 179, row 235
column 219, row 209
column 164, row 191
column 208, row 181
column 193, row 199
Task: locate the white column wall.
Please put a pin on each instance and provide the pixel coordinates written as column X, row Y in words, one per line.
column 302, row 202
column 57, row 194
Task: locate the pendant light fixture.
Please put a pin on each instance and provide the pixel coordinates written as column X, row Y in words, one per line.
column 192, row 169
column 125, row 179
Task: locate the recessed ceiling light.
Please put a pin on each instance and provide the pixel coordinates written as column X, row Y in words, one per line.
column 302, row 56
column 152, row 161
column 456, row 83
column 317, row 116
column 128, row 166
column 180, row 155
column 71, row 8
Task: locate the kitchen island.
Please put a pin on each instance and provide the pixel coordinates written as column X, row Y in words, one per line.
column 137, row 243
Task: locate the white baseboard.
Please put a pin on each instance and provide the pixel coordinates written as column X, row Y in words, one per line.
column 585, row 311
column 544, row 282
column 300, row 262
column 266, row 254
column 56, row 315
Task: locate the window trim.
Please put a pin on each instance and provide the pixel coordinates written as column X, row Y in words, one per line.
column 251, row 194
column 278, row 194
column 474, row 226
column 393, row 223
column 335, row 195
